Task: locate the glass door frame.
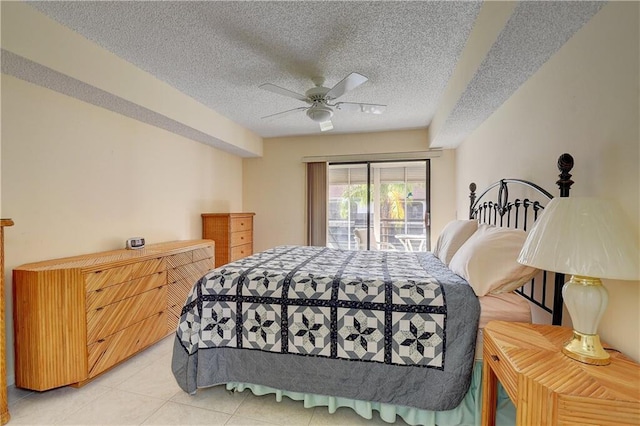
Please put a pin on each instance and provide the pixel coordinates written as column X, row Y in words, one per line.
column 427, row 213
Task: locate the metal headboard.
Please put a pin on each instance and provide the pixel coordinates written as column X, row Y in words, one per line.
column 519, row 214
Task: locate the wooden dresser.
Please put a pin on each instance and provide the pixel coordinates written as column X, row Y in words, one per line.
column 76, row 317
column 232, row 232
column 4, row 406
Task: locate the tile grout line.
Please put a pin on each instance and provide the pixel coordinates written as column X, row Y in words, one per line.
column 154, row 412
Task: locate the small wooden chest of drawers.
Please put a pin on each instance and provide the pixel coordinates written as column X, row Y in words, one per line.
column 76, row 317
column 232, row 232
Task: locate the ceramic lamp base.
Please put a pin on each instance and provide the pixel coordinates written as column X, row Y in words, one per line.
column 586, row 300
column 586, row 348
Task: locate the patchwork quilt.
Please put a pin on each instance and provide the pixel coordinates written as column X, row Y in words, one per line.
column 390, row 327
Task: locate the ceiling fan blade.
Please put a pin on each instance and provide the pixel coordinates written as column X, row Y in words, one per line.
column 284, row 113
column 366, row 108
column 350, row 82
column 282, row 91
column 326, row 125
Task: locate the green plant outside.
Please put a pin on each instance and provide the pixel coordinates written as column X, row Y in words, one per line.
column 394, row 200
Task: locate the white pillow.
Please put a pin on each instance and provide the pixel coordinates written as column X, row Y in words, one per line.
column 487, row 260
column 452, row 237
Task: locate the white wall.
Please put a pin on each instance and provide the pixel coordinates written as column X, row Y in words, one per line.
column 79, row 179
column 275, row 185
column 583, row 101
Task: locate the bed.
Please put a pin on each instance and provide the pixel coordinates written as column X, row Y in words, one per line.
column 399, row 333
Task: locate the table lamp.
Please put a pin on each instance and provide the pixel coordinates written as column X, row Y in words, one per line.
column 587, row 238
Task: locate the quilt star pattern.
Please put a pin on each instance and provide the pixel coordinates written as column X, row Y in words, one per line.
column 379, row 307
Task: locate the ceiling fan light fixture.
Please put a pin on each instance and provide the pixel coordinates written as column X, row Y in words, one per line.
column 320, row 113
column 319, row 98
column 327, row 125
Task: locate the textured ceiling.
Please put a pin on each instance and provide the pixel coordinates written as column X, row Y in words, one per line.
column 220, row 52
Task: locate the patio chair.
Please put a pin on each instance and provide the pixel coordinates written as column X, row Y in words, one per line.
column 360, row 235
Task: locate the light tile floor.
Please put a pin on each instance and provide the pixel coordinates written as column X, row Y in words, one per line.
column 142, row 391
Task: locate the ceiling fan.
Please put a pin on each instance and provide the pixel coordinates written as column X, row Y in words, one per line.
column 320, row 100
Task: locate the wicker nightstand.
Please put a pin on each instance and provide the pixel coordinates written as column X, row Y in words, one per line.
column 549, row 388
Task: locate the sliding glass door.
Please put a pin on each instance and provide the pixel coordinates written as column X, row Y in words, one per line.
column 379, row 206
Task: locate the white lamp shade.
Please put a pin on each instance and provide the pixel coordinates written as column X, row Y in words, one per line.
column 583, row 236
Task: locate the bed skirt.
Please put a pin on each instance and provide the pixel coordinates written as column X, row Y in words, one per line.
column 467, row 413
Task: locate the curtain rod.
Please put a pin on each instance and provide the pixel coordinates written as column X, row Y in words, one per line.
column 412, row 155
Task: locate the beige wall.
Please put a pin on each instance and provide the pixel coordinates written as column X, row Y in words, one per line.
column 78, row 179
column 583, row 101
column 275, row 185
column 32, row 35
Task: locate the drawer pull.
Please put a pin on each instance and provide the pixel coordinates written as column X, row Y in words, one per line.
column 98, row 290
column 100, row 341
column 242, row 238
column 495, row 358
column 100, row 308
column 241, row 223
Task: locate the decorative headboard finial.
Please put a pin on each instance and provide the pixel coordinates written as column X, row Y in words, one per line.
column 565, row 164
column 472, row 197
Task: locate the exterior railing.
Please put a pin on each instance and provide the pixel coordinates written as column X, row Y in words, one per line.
column 340, row 232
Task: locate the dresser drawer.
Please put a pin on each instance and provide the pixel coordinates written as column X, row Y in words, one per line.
column 104, row 321
column 200, row 268
column 178, row 292
column 107, row 277
column 115, row 293
column 240, row 238
column 148, row 267
column 116, row 347
column 203, row 253
column 241, row 224
column 239, row 252
column 179, row 259
column 505, row 374
column 193, row 271
column 173, row 318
